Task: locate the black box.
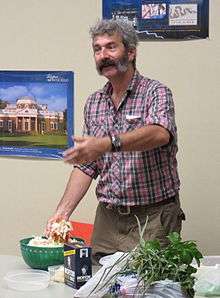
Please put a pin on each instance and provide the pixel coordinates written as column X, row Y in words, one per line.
column 77, row 264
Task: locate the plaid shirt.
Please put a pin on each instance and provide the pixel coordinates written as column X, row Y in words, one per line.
column 137, row 177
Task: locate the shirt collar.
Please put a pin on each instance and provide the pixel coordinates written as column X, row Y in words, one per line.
column 134, row 81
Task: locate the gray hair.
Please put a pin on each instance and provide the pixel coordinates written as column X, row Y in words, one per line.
column 123, row 27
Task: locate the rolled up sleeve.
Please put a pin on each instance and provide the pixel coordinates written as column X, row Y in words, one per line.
column 89, row 169
column 161, row 109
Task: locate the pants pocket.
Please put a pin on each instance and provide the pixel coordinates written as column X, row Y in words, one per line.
column 171, row 218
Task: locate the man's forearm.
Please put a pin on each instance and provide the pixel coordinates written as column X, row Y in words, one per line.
column 89, row 148
column 76, row 188
column 145, row 138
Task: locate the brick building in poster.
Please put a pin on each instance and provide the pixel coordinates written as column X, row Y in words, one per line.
column 27, row 116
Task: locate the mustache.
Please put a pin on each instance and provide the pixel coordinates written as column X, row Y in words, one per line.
column 105, row 63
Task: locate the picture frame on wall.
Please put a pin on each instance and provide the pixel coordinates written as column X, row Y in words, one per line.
column 162, row 19
column 36, row 113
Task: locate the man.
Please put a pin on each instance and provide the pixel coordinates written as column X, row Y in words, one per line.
column 130, row 142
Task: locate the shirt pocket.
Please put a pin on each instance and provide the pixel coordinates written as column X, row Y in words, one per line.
column 132, row 122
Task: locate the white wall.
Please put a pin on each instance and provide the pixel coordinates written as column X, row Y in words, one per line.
column 53, row 35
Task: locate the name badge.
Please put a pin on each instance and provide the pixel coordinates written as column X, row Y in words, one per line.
column 132, row 118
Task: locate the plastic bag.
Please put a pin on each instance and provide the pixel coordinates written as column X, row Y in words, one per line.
column 95, row 286
column 165, row 289
column 127, row 286
column 208, row 283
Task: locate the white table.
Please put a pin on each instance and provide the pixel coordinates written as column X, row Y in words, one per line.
column 55, row 290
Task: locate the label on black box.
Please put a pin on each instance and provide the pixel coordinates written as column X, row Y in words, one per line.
column 77, row 265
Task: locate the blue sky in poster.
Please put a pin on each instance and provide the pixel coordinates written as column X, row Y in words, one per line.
column 54, row 95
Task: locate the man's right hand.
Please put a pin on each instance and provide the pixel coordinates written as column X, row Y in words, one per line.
column 51, row 220
column 76, row 188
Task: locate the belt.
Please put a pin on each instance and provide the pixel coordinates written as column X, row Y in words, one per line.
column 126, row 210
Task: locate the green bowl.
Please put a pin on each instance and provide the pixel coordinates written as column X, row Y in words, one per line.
column 41, row 257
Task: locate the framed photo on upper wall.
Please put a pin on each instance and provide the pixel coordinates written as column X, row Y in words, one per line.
column 36, row 113
column 162, row 19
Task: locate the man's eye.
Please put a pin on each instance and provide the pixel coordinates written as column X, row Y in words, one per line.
column 112, row 47
column 96, row 50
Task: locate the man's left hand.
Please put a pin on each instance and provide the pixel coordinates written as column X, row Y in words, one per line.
column 86, row 149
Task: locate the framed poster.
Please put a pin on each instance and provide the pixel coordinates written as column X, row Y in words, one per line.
column 162, row 19
column 36, row 113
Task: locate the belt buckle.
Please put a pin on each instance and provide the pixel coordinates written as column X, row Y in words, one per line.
column 109, row 206
column 126, row 212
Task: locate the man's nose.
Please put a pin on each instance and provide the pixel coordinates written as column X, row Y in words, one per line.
column 104, row 53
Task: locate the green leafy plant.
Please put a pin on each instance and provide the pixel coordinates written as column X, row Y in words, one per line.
column 151, row 263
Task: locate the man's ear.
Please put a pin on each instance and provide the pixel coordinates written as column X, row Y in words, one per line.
column 132, row 54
